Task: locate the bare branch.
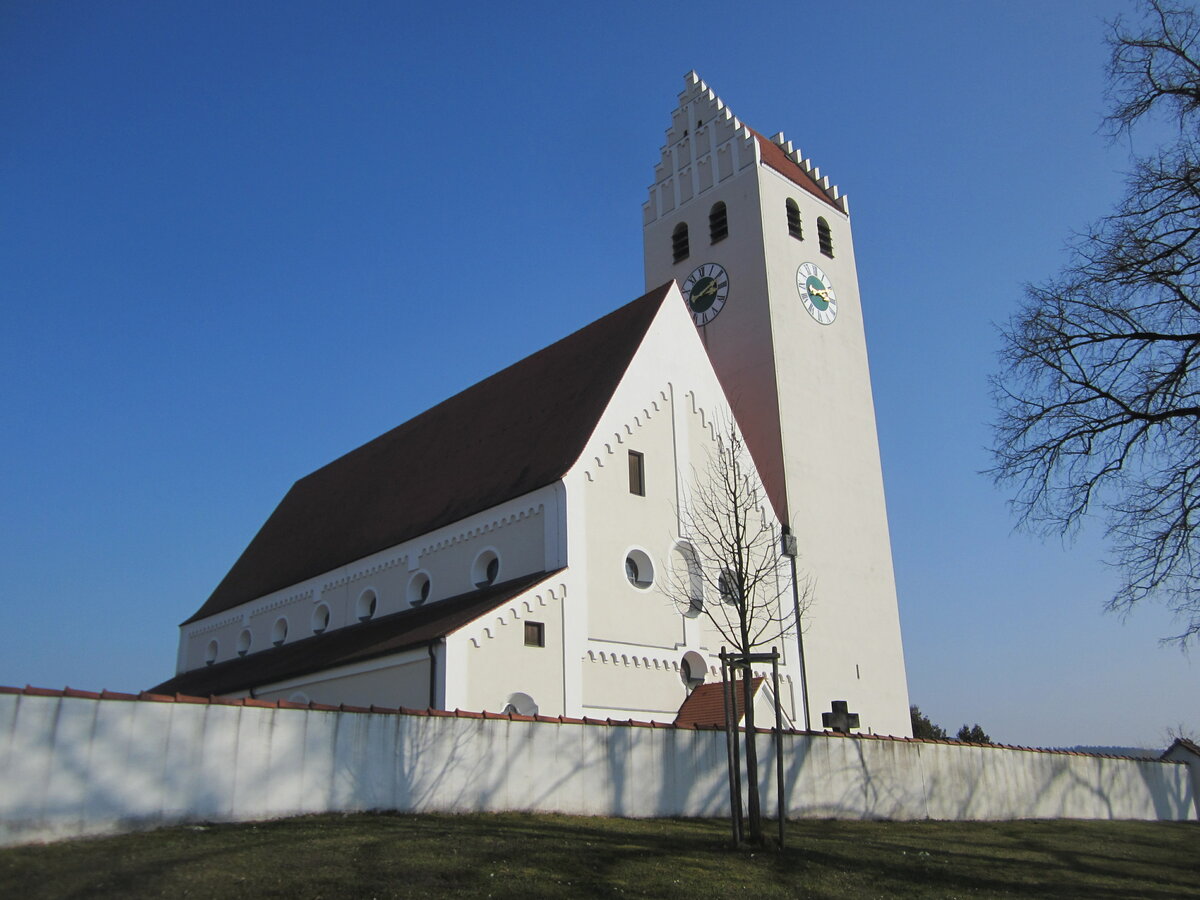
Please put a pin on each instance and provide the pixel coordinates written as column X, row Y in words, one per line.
column 730, row 568
column 1099, row 389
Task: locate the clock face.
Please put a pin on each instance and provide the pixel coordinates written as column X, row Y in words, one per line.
column 816, row 293
column 706, row 291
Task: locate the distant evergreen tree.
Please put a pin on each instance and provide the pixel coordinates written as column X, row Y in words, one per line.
column 923, row 728
column 972, row 735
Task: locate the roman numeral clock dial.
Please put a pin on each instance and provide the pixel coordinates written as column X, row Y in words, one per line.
column 816, row 293
column 706, row 291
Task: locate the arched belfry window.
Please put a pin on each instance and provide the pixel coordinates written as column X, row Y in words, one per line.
column 679, row 242
column 718, row 223
column 795, row 228
column 825, row 237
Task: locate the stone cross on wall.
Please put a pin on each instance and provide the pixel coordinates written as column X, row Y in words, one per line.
column 840, row 720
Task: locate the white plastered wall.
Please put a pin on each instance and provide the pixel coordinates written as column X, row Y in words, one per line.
column 834, row 477
column 526, row 534
column 624, row 643
column 396, row 681
column 73, row 766
column 488, row 660
column 801, row 390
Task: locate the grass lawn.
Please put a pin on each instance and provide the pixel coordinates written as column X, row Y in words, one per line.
column 380, row 855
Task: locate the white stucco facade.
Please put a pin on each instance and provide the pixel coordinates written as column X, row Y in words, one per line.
column 800, row 388
column 612, row 648
column 74, row 765
column 524, row 533
column 633, row 639
column 578, row 635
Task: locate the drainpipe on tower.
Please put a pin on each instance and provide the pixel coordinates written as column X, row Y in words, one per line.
column 788, row 548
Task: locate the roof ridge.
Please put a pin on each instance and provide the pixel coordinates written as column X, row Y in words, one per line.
column 511, row 433
column 507, row 370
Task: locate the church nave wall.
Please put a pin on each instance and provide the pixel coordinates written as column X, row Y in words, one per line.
column 494, row 658
column 639, row 683
column 627, row 530
column 517, row 539
column 401, row 681
column 384, row 583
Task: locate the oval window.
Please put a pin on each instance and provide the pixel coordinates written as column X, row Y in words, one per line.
column 486, row 569
column 419, row 587
column 368, row 602
column 638, row 569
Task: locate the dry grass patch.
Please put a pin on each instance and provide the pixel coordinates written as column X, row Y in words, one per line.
column 386, row 856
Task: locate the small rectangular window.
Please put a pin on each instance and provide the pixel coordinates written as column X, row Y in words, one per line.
column 535, row 634
column 637, row 474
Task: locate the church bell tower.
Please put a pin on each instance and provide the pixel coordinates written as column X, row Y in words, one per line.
column 760, row 244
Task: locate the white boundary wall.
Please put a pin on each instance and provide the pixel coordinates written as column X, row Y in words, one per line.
column 73, row 765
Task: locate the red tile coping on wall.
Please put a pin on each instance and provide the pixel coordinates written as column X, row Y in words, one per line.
column 255, row 703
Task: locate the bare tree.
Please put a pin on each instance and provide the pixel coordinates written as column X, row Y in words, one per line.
column 1181, row 732
column 733, row 557
column 1099, row 391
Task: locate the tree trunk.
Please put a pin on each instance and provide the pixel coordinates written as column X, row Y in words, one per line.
column 754, row 810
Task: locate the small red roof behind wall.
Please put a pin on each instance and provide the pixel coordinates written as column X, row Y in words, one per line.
column 706, row 704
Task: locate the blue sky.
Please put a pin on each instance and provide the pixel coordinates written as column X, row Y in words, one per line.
column 238, row 240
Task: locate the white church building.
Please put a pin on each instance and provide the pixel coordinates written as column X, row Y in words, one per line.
column 509, row 548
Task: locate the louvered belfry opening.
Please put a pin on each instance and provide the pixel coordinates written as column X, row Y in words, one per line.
column 825, row 237
column 679, row 242
column 718, row 223
column 795, row 228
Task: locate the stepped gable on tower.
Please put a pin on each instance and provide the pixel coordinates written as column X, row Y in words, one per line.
column 719, row 146
column 519, row 430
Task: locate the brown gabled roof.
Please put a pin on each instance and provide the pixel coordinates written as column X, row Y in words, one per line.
column 706, row 705
column 517, row 431
column 773, row 157
column 354, row 643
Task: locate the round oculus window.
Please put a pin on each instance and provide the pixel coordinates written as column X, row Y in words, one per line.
column 638, row 569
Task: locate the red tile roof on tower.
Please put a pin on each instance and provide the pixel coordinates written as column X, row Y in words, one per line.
column 706, row 705
column 519, row 430
column 773, row 157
